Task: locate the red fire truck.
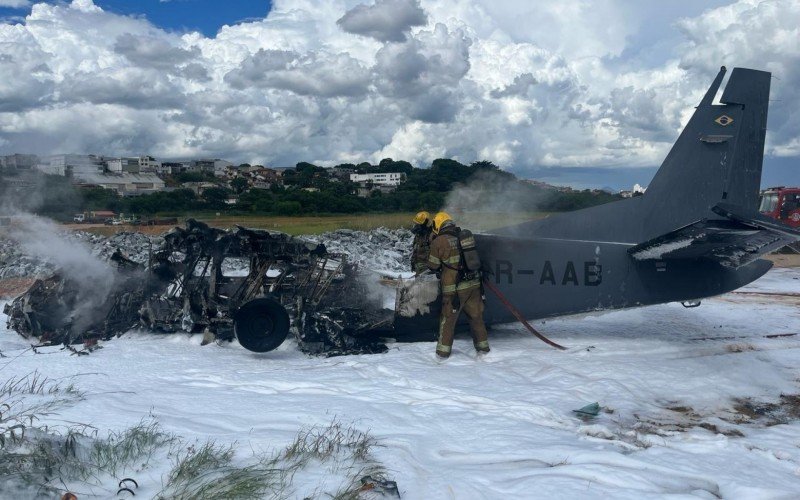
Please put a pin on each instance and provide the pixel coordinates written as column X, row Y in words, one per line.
column 782, row 203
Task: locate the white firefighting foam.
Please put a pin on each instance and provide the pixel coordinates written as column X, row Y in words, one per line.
column 675, row 385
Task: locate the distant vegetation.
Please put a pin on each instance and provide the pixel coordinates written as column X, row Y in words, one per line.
column 309, row 190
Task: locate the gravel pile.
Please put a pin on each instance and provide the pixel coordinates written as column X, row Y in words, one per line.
column 387, row 250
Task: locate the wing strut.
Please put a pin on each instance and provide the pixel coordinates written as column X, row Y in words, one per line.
column 519, row 316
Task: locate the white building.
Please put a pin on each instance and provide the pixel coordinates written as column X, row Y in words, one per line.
column 18, row 161
column 636, row 191
column 72, row 164
column 383, row 179
column 148, row 164
column 171, row 167
column 220, row 166
column 215, row 166
column 119, row 165
column 164, row 168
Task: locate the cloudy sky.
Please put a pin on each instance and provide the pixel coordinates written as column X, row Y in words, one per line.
column 589, row 93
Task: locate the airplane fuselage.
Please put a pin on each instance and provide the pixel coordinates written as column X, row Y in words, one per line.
column 545, row 278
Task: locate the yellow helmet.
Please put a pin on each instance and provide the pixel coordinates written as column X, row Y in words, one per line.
column 439, row 220
column 422, row 218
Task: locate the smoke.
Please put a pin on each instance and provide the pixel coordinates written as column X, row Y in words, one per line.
column 92, row 278
column 34, row 192
column 492, row 198
column 377, row 295
column 24, row 193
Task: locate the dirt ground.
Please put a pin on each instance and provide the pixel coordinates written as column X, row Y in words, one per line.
column 14, row 287
column 785, row 260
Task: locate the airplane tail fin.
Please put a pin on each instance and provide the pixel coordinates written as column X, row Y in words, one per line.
column 718, row 156
column 717, row 159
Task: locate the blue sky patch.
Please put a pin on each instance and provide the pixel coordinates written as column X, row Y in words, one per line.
column 206, row 16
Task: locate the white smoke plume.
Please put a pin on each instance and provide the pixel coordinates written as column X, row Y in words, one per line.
column 93, row 277
column 378, row 295
column 488, row 197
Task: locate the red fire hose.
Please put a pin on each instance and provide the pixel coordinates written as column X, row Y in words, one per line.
column 519, row 316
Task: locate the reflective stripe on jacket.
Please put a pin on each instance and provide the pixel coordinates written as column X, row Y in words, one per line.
column 446, row 258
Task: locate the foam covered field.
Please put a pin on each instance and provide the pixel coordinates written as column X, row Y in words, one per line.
column 696, row 402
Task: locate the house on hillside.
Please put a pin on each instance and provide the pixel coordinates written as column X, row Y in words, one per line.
column 149, row 165
column 212, row 166
column 381, row 179
column 366, row 191
column 342, row 173
column 384, row 182
column 198, row 187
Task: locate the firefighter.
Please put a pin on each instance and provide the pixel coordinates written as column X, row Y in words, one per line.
column 423, row 234
column 461, row 288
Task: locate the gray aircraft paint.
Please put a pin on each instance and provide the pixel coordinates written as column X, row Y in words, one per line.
column 668, row 245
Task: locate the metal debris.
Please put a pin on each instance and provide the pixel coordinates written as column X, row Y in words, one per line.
column 288, row 285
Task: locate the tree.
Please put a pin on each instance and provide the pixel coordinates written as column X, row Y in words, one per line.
column 55, row 196
column 215, row 197
column 424, row 189
column 239, row 185
column 101, row 199
column 288, row 208
column 190, row 177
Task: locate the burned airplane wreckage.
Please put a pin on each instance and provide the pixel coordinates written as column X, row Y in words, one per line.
column 284, row 284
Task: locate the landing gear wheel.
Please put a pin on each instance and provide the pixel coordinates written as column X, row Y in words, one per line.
column 261, row 325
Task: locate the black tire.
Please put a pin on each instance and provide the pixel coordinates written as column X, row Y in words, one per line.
column 261, row 325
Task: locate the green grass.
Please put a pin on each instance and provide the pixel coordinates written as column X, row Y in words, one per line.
column 317, row 224
column 310, row 224
column 208, row 471
column 135, row 445
column 38, row 460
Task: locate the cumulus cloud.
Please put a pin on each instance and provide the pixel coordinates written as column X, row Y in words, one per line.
column 425, row 74
column 153, row 52
column 759, row 35
column 15, row 4
column 312, row 74
column 428, row 78
column 519, row 87
column 385, row 20
column 28, row 79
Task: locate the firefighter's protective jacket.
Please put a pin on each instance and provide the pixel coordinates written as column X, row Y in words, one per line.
column 460, row 286
column 421, row 249
column 445, row 258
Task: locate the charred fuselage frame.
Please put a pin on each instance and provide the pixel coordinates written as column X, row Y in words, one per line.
column 281, row 284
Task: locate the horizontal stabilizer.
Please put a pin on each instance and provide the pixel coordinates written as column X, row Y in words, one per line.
column 755, row 219
column 733, row 242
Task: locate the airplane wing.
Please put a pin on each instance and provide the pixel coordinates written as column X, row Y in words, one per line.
column 739, row 239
